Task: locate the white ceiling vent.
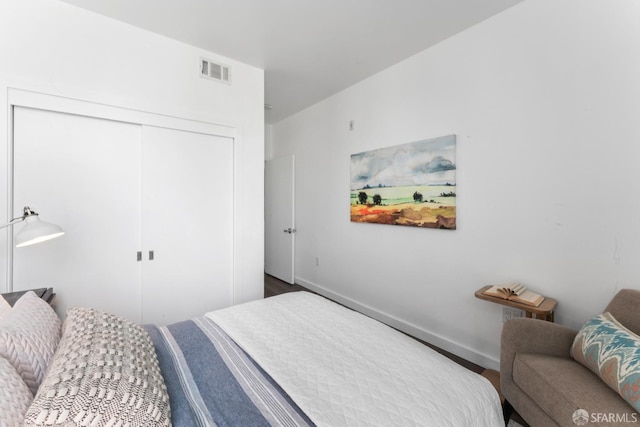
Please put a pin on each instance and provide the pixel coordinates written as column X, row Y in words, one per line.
column 213, row 70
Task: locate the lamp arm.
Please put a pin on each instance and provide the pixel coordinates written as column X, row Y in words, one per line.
column 27, row 211
column 17, row 220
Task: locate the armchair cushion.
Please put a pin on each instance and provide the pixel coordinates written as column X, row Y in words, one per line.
column 612, row 352
column 524, row 335
column 560, row 386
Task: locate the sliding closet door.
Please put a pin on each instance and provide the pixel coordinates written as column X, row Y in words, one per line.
column 187, row 224
column 84, row 175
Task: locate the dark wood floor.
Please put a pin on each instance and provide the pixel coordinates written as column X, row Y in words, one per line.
column 273, row 286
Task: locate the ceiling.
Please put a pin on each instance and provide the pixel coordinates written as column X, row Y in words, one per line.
column 309, row 49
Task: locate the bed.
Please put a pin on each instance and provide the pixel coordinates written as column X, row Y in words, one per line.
column 292, row 360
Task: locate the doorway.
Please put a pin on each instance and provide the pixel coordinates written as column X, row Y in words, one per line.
column 279, row 221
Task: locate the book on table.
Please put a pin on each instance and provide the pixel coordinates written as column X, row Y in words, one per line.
column 515, row 292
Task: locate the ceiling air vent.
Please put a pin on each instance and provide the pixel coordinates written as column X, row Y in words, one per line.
column 213, row 70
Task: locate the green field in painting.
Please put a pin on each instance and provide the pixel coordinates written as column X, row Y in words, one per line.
column 399, row 195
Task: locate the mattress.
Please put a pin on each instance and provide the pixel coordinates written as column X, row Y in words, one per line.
column 342, row 368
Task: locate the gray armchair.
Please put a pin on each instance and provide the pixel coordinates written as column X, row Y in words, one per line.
column 544, row 384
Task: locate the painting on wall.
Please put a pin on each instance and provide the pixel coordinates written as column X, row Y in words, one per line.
column 411, row 184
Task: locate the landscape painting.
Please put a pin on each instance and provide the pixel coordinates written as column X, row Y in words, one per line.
column 410, row 184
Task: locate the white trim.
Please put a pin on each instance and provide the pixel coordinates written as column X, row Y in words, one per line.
column 10, row 211
column 293, row 217
column 236, row 269
column 60, row 104
column 466, row 353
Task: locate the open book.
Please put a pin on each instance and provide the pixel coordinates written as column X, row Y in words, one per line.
column 515, row 292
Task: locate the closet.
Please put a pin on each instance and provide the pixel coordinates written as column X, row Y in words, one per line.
column 147, row 211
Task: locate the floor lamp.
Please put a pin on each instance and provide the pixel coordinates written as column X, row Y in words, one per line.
column 34, row 231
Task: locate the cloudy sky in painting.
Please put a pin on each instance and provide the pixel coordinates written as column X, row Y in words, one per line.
column 427, row 162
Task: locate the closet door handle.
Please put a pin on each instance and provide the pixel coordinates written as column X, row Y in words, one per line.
column 139, row 255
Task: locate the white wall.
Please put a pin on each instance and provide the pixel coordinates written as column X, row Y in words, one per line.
column 545, row 101
column 52, row 47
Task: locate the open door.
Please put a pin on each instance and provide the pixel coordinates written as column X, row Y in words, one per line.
column 280, row 218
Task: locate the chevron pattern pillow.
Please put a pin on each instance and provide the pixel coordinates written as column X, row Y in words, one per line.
column 15, row 396
column 4, row 306
column 612, row 352
column 29, row 335
column 105, row 373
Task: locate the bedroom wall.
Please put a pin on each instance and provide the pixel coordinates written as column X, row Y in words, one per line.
column 55, row 48
column 544, row 99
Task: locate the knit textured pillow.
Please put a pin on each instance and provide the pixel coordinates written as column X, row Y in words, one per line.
column 4, row 306
column 15, row 396
column 29, row 335
column 612, row 352
column 105, row 373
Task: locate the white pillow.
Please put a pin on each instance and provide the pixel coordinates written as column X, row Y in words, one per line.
column 15, row 396
column 4, row 306
column 29, row 335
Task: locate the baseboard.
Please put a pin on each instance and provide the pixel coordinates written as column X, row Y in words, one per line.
column 406, row 327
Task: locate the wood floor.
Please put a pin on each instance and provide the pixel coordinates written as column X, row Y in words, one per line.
column 273, row 286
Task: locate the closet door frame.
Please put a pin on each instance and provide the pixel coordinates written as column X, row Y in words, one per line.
column 54, row 103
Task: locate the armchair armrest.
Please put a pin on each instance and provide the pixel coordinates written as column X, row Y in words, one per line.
column 524, row 335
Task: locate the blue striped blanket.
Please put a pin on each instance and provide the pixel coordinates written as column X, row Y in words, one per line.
column 213, row 382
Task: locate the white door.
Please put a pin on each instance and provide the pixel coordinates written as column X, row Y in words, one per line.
column 187, row 223
column 83, row 174
column 280, row 218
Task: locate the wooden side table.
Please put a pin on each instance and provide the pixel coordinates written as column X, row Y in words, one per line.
column 46, row 294
column 544, row 311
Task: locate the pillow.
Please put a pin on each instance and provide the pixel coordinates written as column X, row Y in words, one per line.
column 29, row 335
column 105, row 373
column 612, row 352
column 4, row 306
column 15, row 396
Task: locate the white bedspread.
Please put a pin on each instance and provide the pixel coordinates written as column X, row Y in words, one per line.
column 343, row 368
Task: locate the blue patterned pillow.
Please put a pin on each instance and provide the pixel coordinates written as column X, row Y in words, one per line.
column 613, row 352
